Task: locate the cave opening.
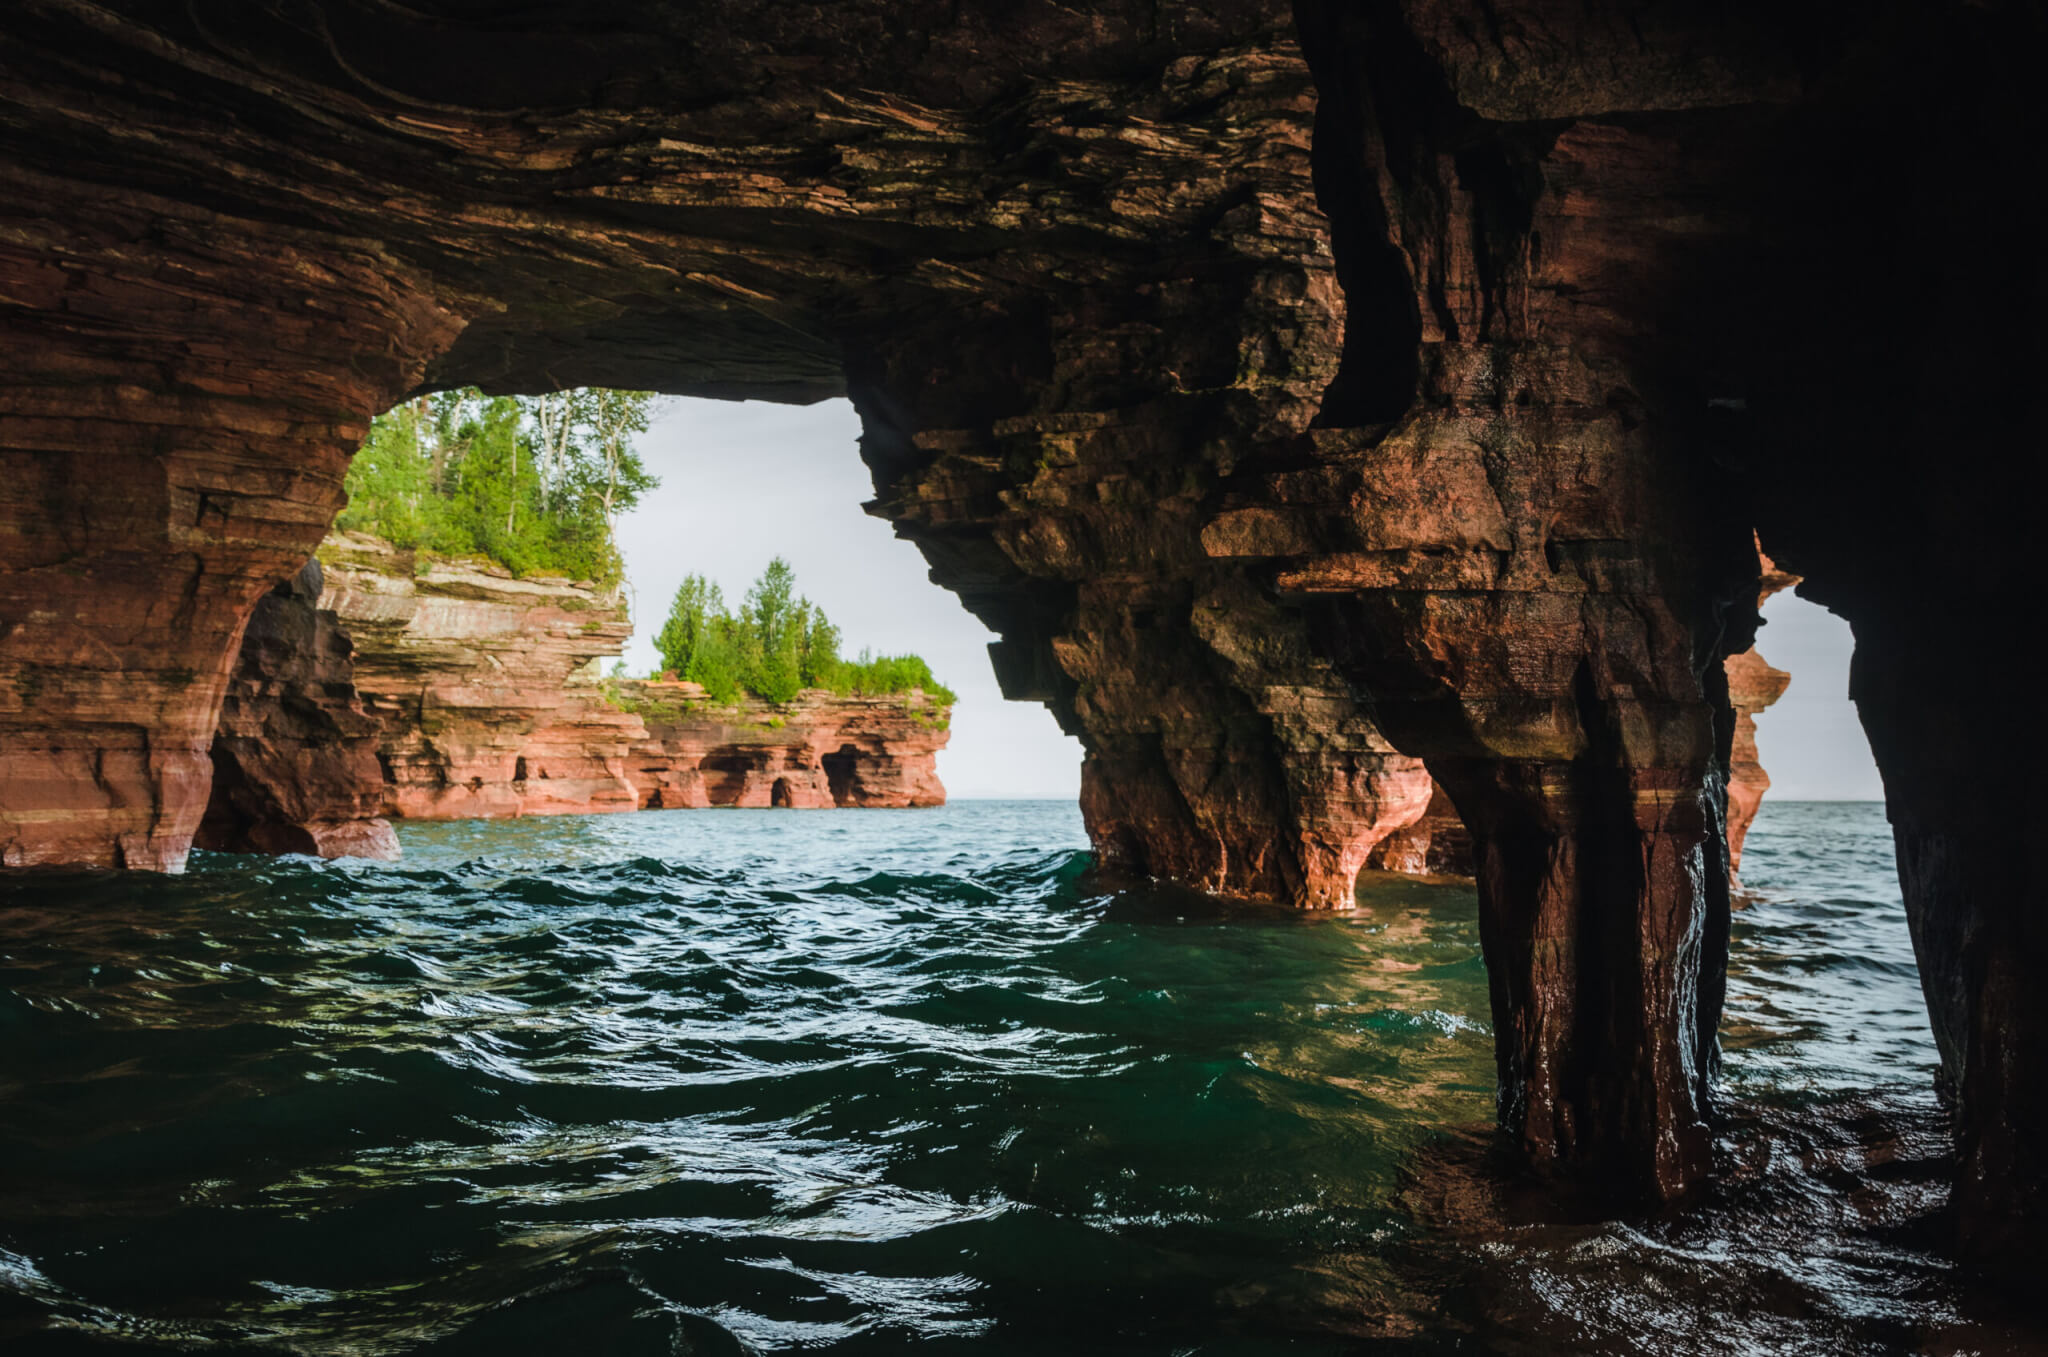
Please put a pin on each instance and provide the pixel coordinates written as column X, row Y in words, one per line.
column 1356, row 479
column 842, row 773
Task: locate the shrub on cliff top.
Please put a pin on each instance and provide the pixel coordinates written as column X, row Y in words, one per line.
column 778, row 644
column 533, row 483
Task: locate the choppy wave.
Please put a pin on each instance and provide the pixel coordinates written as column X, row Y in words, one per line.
column 767, row 1081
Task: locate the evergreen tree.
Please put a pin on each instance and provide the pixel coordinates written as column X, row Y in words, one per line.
column 716, row 664
column 698, row 605
column 819, row 663
column 774, row 634
column 778, row 645
column 535, row 484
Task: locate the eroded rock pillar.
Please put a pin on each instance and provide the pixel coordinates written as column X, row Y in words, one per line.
column 1602, row 914
column 175, row 420
column 1058, row 464
column 1966, row 820
column 1516, row 538
column 1583, row 743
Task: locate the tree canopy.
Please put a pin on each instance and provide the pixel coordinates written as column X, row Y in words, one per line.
column 776, row 645
column 535, row 483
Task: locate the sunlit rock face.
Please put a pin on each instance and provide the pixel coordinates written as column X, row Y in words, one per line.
column 1300, row 392
column 376, row 683
column 1752, row 686
column 483, row 684
column 819, row 752
column 484, row 694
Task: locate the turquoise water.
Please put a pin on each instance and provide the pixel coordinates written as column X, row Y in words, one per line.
column 857, row 1081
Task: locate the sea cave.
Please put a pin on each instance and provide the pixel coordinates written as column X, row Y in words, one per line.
column 1371, row 431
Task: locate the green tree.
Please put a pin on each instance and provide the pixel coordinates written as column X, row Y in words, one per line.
column 699, row 605
column 717, row 664
column 819, row 663
column 773, row 634
column 778, row 645
column 534, row 483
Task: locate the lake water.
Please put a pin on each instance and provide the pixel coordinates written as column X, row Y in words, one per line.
column 854, row 1081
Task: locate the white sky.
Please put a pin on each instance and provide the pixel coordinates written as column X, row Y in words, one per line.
column 1809, row 741
column 743, row 482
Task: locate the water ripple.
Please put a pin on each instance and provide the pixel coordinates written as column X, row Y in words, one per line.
column 759, row 1081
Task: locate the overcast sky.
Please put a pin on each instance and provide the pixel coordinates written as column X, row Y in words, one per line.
column 1809, row 740
column 744, row 482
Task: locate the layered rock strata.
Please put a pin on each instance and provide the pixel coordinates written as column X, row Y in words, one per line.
column 295, row 767
column 817, row 752
column 483, row 685
column 1480, row 400
column 484, row 694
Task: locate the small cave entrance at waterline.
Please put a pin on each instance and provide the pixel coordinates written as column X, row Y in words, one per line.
column 842, row 774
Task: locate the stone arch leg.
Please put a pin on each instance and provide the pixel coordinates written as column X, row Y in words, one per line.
column 1595, row 805
column 1966, row 819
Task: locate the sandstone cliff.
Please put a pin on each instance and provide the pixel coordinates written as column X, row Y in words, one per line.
column 819, row 751
column 482, row 683
column 381, row 683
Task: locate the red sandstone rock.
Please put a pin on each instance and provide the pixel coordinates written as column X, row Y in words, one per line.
column 1437, row 844
column 817, row 752
column 483, row 684
column 1593, row 298
column 1752, row 686
column 485, row 691
column 295, row 755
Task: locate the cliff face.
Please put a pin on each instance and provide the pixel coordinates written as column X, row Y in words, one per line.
column 1299, row 390
column 295, row 756
column 434, row 690
column 817, row 752
column 473, row 677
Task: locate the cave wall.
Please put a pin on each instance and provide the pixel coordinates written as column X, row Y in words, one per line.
column 295, row 756
column 1314, row 399
column 1070, row 267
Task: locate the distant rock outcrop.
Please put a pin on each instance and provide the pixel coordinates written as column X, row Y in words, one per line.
column 1752, row 686
column 379, row 682
column 817, row 752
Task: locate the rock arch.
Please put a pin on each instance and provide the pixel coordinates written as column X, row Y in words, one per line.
column 1305, row 394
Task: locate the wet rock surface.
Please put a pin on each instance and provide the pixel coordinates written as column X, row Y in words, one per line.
column 1300, row 392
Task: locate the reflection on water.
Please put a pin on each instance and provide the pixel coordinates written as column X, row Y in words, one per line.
column 733, row 1081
